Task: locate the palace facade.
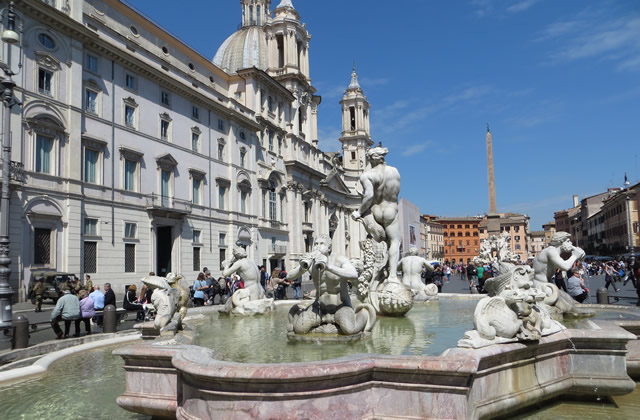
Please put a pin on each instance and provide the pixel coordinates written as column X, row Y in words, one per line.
column 133, row 153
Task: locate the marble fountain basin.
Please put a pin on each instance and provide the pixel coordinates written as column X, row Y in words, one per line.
column 178, row 379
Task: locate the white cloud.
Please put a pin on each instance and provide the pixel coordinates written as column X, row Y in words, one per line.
column 521, row 6
column 328, row 139
column 499, row 7
column 591, row 34
column 416, row 148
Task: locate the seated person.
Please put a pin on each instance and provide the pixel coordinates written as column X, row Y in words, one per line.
column 67, row 309
column 575, row 289
column 130, row 302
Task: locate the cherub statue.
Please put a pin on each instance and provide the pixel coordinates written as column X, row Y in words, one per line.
column 169, row 302
column 251, row 299
column 411, row 267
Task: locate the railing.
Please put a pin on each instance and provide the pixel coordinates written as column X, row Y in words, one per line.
column 278, row 249
column 16, row 171
column 156, row 201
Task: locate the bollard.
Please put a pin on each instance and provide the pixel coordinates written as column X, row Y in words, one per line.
column 20, row 326
column 602, row 296
column 109, row 319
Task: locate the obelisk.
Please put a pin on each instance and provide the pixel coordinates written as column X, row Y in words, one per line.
column 493, row 218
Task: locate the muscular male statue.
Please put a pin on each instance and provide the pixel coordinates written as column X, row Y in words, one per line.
column 332, row 305
column 379, row 208
column 247, row 270
column 550, row 258
column 411, row 267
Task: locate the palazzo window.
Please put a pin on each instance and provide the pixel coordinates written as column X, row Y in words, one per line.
column 243, row 202
column 195, row 142
column 42, row 246
column 91, row 63
column 243, row 154
column 270, row 134
column 43, row 151
column 272, row 201
column 45, row 81
column 130, row 112
column 222, row 192
column 130, row 230
column 165, row 98
column 130, row 168
column 197, row 181
column 91, row 101
column 165, row 127
column 91, row 166
column 130, row 81
column 90, row 227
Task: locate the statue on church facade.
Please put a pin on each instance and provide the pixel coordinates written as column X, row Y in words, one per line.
column 331, row 312
column 378, row 213
column 249, row 300
column 411, row 267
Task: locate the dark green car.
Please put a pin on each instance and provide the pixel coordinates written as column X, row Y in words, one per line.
column 53, row 281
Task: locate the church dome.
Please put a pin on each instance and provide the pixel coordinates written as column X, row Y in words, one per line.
column 245, row 48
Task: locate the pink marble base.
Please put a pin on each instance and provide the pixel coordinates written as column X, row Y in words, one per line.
column 189, row 382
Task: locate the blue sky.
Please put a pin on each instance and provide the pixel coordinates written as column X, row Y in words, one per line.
column 558, row 82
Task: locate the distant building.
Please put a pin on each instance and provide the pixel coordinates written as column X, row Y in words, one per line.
column 536, row 243
column 461, row 237
column 432, row 238
column 615, row 229
column 549, row 230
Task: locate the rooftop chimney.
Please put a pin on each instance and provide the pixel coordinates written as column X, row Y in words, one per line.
column 576, row 202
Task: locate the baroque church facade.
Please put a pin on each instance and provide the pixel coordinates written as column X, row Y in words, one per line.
column 133, row 153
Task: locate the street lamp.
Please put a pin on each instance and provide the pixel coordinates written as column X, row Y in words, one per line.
column 9, row 37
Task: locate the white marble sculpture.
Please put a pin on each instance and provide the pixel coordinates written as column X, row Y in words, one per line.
column 169, row 300
column 411, row 267
column 378, row 213
column 251, row 299
column 496, row 251
column 513, row 311
column 331, row 312
column 562, row 254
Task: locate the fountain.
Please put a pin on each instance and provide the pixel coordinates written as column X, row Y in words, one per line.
column 516, row 355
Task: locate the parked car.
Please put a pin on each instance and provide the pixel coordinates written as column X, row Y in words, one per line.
column 53, row 281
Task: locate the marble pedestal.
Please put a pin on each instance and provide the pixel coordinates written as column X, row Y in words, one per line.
column 189, row 382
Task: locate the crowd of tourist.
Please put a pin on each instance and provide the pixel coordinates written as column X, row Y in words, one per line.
column 83, row 303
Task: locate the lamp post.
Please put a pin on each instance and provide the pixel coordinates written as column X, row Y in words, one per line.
column 10, row 37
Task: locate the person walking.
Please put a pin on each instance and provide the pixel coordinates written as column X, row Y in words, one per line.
column 67, row 309
column 437, row 278
column 609, row 277
column 38, row 291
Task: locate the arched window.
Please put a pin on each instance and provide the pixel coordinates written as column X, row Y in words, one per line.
column 272, row 200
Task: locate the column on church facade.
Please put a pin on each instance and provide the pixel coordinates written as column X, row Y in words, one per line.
column 306, row 60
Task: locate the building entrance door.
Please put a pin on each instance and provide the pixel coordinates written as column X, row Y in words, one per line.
column 164, row 242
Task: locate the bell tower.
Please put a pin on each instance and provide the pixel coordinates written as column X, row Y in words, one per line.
column 255, row 12
column 356, row 136
column 287, row 42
